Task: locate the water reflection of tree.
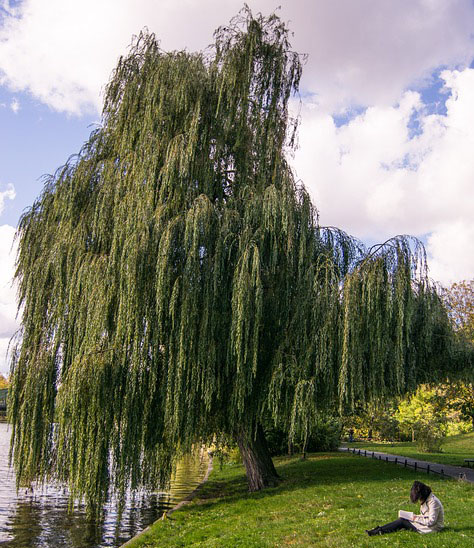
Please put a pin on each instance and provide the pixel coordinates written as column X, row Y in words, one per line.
column 46, row 521
column 42, row 518
column 25, row 512
column 37, row 522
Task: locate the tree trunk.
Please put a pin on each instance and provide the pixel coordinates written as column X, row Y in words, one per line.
column 257, row 460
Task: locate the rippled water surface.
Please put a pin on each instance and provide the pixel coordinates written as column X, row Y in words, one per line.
column 40, row 519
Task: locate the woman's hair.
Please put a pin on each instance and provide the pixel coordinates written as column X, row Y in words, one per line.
column 419, row 491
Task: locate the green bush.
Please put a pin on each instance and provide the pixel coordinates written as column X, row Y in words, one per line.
column 277, row 440
column 430, row 439
column 324, row 435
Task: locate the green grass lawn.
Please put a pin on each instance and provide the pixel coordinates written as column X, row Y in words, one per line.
column 326, row 500
column 454, row 450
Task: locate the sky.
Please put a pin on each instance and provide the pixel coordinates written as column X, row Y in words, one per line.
column 386, row 138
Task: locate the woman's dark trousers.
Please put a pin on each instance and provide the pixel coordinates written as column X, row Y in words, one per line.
column 397, row 525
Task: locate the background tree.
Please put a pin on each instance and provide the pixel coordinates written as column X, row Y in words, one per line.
column 460, row 400
column 459, row 301
column 177, row 287
column 4, row 382
column 424, row 415
column 374, row 420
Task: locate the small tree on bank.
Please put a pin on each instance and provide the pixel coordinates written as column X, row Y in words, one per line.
column 177, row 287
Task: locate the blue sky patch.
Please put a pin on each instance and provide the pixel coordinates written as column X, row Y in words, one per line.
column 345, row 117
column 34, row 141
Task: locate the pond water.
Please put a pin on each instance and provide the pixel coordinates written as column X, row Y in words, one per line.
column 30, row 519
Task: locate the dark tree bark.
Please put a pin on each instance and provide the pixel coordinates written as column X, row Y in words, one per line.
column 256, row 457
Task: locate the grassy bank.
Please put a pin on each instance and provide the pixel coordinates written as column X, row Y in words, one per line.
column 326, row 500
column 454, row 450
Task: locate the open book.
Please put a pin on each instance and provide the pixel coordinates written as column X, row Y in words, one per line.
column 406, row 515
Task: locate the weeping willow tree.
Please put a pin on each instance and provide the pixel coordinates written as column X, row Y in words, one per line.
column 176, row 287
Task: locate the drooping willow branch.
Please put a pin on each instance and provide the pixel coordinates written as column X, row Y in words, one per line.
column 176, row 286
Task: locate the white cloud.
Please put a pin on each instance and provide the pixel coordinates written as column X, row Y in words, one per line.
column 451, row 251
column 369, row 52
column 374, row 179
column 364, row 52
column 4, row 365
column 7, row 6
column 8, row 321
column 15, row 105
column 8, row 194
column 63, row 51
column 371, row 177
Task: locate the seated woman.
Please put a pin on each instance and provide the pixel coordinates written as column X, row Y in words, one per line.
column 430, row 519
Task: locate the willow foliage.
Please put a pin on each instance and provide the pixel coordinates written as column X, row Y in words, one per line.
column 175, row 283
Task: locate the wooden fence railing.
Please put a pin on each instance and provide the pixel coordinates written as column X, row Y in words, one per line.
column 396, row 460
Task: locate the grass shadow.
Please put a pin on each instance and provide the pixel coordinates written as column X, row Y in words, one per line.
column 458, row 529
column 331, row 470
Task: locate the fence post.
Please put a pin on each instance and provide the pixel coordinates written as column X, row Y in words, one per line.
column 427, row 468
column 373, row 455
column 442, row 471
column 415, row 465
column 386, row 459
column 396, row 460
column 365, row 453
column 405, row 463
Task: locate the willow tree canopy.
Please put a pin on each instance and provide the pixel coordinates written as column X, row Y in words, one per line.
column 176, row 286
